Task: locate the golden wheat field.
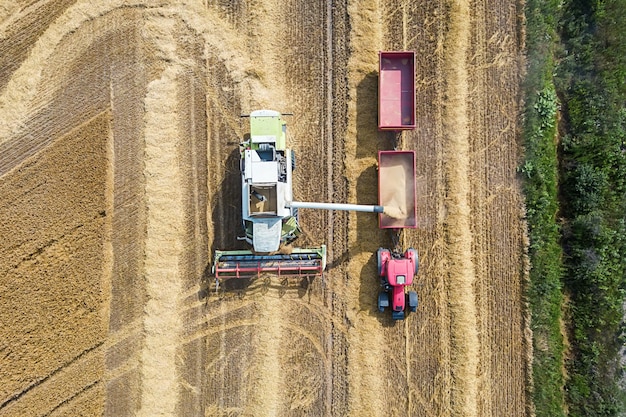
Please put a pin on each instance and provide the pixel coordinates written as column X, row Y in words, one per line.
column 119, row 177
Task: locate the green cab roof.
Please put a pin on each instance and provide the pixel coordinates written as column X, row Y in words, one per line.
column 267, row 126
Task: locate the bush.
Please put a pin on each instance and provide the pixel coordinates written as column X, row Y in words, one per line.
column 593, row 198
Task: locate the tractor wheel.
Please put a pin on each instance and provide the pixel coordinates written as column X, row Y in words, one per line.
column 382, row 254
column 383, row 301
column 412, row 254
column 293, row 160
column 413, row 301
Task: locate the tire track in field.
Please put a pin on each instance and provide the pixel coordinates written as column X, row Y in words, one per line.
column 61, row 384
column 196, row 321
column 461, row 273
column 130, row 334
column 84, row 398
column 334, row 379
column 268, row 372
column 73, row 378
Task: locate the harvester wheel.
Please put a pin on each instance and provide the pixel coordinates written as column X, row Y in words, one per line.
column 383, row 301
column 413, row 301
column 412, row 254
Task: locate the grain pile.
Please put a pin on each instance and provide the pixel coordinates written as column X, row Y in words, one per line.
column 397, row 194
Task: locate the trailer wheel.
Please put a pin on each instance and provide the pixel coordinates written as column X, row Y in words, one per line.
column 381, row 255
column 383, row 301
column 293, row 160
column 412, row 254
column 413, row 301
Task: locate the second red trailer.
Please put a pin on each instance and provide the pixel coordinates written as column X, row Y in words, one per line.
column 396, row 90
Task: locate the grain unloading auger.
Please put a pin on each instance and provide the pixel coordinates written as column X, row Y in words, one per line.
column 270, row 216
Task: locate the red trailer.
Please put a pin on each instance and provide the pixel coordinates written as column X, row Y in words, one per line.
column 396, row 90
column 396, row 189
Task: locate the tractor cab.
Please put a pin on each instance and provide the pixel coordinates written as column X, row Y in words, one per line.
column 399, row 272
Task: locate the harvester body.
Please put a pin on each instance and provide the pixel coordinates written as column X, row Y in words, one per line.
column 269, row 214
column 268, row 221
column 266, row 166
column 396, row 271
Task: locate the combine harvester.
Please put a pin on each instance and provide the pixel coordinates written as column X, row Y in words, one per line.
column 270, row 216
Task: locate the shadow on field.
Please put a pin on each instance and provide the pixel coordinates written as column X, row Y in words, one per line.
column 226, row 203
column 369, row 236
column 239, row 288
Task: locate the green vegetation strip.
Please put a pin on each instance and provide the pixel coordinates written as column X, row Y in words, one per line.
column 540, row 170
column 576, row 202
column 591, row 78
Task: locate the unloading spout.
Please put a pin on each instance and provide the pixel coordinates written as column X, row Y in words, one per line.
column 336, row 206
column 258, row 195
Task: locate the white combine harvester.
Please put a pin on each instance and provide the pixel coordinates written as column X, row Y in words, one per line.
column 270, row 216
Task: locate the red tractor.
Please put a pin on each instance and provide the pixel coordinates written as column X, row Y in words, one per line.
column 396, row 271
